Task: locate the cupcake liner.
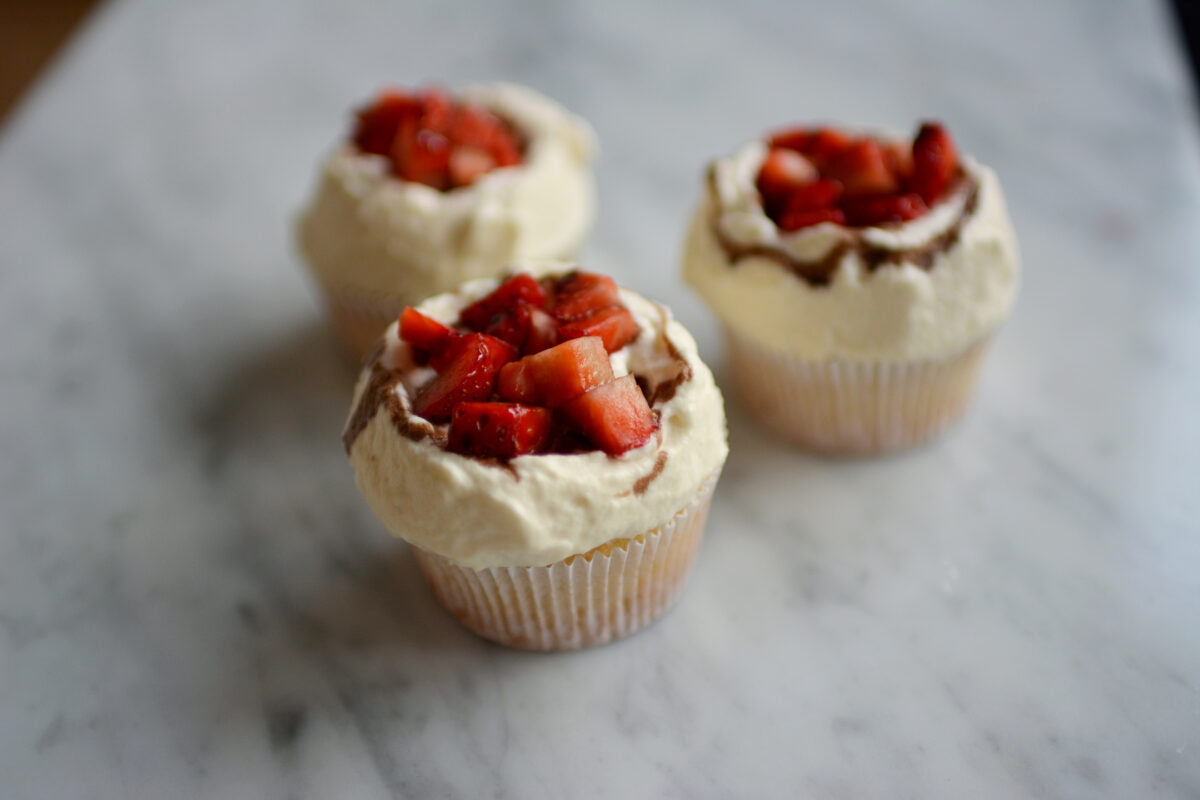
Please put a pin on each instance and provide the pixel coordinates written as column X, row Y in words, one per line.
column 609, row 592
column 359, row 318
column 853, row 408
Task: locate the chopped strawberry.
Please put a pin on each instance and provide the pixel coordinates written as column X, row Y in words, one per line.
column 512, row 326
column 472, row 363
column 424, row 333
column 506, row 150
column 543, row 331
column 471, row 126
column 861, row 169
column 469, row 164
column 498, row 430
column 615, row 326
column 437, row 110
column 792, row 138
column 554, row 376
column 820, row 193
column 794, row 220
column 899, row 158
column 783, row 171
column 420, row 155
column 521, row 287
column 935, row 160
column 825, row 144
column 880, row 209
column 582, row 292
column 613, row 416
column 375, row 125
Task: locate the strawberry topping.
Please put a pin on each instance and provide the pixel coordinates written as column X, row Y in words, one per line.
column 430, row 139
column 520, row 353
column 810, row 176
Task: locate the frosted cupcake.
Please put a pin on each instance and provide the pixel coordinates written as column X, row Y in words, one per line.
column 432, row 190
column 859, row 280
column 548, row 447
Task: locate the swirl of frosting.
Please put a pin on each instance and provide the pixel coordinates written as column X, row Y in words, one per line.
column 923, row 289
column 368, row 231
column 534, row 509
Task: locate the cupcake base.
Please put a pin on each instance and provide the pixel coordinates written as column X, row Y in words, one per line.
column 609, row 592
column 853, row 408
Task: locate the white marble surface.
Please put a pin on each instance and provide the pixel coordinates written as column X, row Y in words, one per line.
column 195, row 602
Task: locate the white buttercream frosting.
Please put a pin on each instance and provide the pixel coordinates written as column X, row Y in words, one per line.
column 539, row 509
column 897, row 311
column 367, row 231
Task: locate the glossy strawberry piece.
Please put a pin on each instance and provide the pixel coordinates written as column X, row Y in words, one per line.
column 542, row 333
column 861, row 169
column 424, row 333
column 795, row 219
column 498, row 430
column 420, row 155
column 819, row 144
column 469, row 164
column 581, row 293
column 512, row 326
column 614, row 325
column 935, row 160
column 520, row 288
column 472, row 362
column 899, row 158
column 783, row 171
column 375, row 125
column 554, row 376
column 613, row 416
column 822, row 193
column 881, row 209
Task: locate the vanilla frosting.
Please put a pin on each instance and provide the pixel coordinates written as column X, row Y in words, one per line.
column 536, row 509
column 366, row 231
column 897, row 310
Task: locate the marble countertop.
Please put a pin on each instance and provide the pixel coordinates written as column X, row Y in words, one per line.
column 196, row 602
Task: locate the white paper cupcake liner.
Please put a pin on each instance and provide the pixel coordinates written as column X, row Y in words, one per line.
column 609, row 592
column 847, row 407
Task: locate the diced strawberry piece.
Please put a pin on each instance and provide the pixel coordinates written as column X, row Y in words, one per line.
column 812, row 196
column 582, row 292
column 826, row 144
column 512, row 326
column 615, row 326
column 614, row 416
column 471, row 126
column 794, row 220
column 554, row 376
column 783, row 171
column 792, row 138
column 375, row 125
column 469, row 164
column 424, row 333
column 543, row 331
column 472, row 363
column 505, row 149
column 861, row 169
column 520, row 288
column 420, row 155
column 899, row 158
column 880, row 209
column 437, row 110
column 935, row 160
column 498, row 430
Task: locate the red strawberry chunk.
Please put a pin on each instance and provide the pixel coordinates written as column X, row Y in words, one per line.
column 783, row 171
column 472, row 363
column 583, row 292
column 512, row 326
column 862, row 169
column 469, row 164
column 899, row 158
column 424, row 333
column 794, row 220
column 554, row 376
column 543, row 331
column 498, row 430
column 935, row 160
column 614, row 416
column 615, row 326
column 821, row 193
column 420, row 155
column 375, row 126
column 880, row 209
column 521, row 287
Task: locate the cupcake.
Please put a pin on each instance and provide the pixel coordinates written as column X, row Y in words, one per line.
column 548, row 447
column 859, row 280
column 433, row 189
